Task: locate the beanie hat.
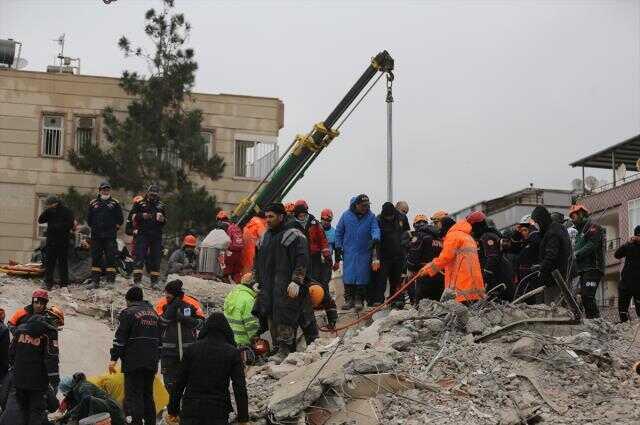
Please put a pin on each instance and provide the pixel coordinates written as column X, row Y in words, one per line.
column 134, row 294
column 388, row 209
column 174, row 288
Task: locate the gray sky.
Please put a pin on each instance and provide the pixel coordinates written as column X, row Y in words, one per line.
column 490, row 95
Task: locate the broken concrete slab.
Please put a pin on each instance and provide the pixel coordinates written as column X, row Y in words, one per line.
column 526, row 347
column 369, row 362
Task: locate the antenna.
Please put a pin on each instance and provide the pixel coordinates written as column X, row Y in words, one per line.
column 65, row 64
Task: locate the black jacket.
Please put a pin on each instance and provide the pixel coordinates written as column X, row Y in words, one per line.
column 137, row 339
column 630, row 278
column 185, row 311
column 4, row 350
column 203, row 380
column 148, row 226
column 104, row 217
column 425, row 245
column 59, row 221
column 555, row 246
column 34, row 355
column 394, row 236
column 99, row 399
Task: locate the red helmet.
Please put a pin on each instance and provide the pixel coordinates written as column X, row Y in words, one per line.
column 577, row 208
column 326, row 214
column 190, row 240
column 476, row 217
column 301, row 206
column 40, row 293
column 222, row 215
column 289, row 207
column 261, row 346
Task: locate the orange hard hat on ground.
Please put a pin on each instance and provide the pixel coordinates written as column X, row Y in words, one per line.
column 476, row 217
column 439, row 215
column 420, row 217
column 326, row 214
column 222, row 215
column 57, row 313
column 316, row 293
column 577, row 208
column 190, row 240
column 261, row 347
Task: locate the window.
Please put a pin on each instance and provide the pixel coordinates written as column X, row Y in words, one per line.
column 171, row 156
column 208, row 149
column 52, row 131
column 634, row 215
column 254, row 159
column 42, row 228
column 85, row 132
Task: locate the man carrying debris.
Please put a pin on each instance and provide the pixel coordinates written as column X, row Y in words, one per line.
column 357, row 240
column 280, row 269
column 136, row 345
column 233, row 258
column 589, row 257
column 105, row 218
column 555, row 251
column 181, row 317
column 238, row 307
column 459, row 261
column 629, row 286
column 39, row 301
column 59, row 221
column 201, row 393
column 184, row 260
column 424, row 247
column 149, row 217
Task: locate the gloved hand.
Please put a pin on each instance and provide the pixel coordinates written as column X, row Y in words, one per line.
column 112, row 367
column 336, row 266
column 293, row 290
column 375, row 265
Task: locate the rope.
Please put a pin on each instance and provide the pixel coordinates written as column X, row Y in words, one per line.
column 359, row 101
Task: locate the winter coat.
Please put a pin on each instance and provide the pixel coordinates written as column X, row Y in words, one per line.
column 185, row 310
column 137, row 339
column 527, row 255
column 355, row 237
column 34, row 355
column 100, row 402
column 630, row 277
column 182, row 261
column 20, row 316
column 148, row 226
column 589, row 248
column 104, row 217
column 251, row 234
column 238, row 305
column 316, row 238
column 202, row 383
column 12, row 414
column 282, row 257
column 394, row 237
column 330, row 234
column 460, row 262
column 424, row 247
column 59, row 221
column 555, row 246
column 4, row 350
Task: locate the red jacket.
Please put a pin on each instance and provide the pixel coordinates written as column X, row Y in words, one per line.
column 235, row 234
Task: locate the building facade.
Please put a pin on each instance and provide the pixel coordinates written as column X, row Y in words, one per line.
column 44, row 115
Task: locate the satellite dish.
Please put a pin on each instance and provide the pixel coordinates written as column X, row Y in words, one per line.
column 20, row 63
column 621, row 171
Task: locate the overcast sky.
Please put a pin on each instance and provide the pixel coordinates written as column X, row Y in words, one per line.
column 489, row 95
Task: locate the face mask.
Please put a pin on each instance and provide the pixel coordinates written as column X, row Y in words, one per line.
column 105, row 197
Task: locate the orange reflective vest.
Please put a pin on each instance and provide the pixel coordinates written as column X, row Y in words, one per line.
column 460, row 262
column 251, row 235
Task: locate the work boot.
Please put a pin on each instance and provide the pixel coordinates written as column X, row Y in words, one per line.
column 359, row 298
column 283, row 352
column 349, row 294
column 137, row 278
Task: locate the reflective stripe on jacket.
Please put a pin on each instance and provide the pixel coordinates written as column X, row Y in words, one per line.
column 237, row 309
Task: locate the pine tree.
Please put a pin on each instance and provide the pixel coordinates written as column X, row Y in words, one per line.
column 159, row 141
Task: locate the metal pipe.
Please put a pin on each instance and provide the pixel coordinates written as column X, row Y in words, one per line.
column 389, row 138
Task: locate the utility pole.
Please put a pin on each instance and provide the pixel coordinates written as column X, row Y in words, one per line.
column 389, row 137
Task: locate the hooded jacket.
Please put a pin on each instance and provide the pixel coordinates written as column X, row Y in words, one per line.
column 555, row 246
column 459, row 260
column 356, row 235
column 394, row 232
column 238, row 305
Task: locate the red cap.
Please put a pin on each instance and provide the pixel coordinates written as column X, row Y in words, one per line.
column 326, row 214
column 476, row 217
column 190, row 240
column 301, row 203
column 40, row 293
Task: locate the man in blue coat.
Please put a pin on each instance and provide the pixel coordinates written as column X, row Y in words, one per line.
column 357, row 239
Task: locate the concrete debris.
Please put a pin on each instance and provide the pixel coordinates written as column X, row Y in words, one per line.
column 526, row 348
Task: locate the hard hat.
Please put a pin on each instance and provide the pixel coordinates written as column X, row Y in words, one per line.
column 222, row 215
column 261, row 347
column 289, row 207
column 247, row 279
column 300, row 206
column 57, row 313
column 326, row 214
column 525, row 220
column 420, row 217
column 52, row 200
column 137, row 198
column 104, row 185
column 153, row 189
column 439, row 215
column 40, row 293
column 476, row 217
column 577, row 208
column 316, row 293
column 190, row 240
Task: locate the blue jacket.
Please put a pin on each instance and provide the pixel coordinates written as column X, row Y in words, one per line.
column 330, row 233
column 355, row 235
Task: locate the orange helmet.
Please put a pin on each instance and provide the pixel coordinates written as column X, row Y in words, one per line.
column 222, row 216
column 316, row 293
column 420, row 217
column 289, row 207
column 476, row 217
column 326, row 214
column 439, row 215
column 261, row 347
column 56, row 312
column 190, row 240
column 577, row 208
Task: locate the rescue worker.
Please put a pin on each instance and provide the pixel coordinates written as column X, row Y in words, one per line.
column 394, row 231
column 424, row 247
column 4, row 347
column 104, row 217
column 83, row 399
column 589, row 258
column 59, row 221
column 238, row 307
column 184, row 261
column 319, row 252
column 436, row 219
column 35, row 360
column 136, row 344
column 526, row 247
column 39, row 301
column 233, row 260
column 459, row 261
column 403, row 207
column 149, row 218
column 554, row 252
column 357, row 240
column 629, row 286
column 181, row 317
column 290, row 207
column 282, row 259
column 251, row 234
column 201, row 394
column 12, row 413
column 494, row 270
column 328, row 303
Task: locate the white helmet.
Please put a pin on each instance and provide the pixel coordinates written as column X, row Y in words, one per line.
column 525, row 220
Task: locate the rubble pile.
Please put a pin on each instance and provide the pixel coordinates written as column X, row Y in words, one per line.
column 427, row 365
